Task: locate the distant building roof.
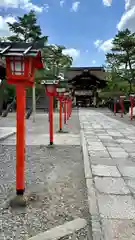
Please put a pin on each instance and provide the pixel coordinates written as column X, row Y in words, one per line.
column 72, row 72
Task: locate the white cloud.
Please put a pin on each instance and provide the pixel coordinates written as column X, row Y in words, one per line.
column 129, row 4
column 97, row 43
column 4, row 30
column 74, row 53
column 62, row 3
column 128, row 18
column 24, row 4
column 104, row 45
column 94, row 62
column 107, row 3
column 75, row 6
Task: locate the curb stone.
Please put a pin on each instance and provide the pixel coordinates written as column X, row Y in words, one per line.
column 62, row 230
column 7, row 136
column 91, row 193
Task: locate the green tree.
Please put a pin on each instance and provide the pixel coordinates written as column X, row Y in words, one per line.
column 26, row 29
column 121, row 59
column 55, row 61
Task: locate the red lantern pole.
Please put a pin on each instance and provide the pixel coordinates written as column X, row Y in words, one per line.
column 122, row 106
column 65, row 112
column 51, row 119
column 20, row 144
column 132, row 106
column 60, row 116
column 70, row 107
column 67, row 109
column 115, row 108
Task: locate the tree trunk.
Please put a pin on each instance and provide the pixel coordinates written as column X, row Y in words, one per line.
column 29, row 112
column 131, row 71
column 10, row 106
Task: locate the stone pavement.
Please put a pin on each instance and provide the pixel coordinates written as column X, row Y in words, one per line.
column 109, row 147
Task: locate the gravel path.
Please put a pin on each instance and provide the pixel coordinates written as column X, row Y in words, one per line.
column 54, row 179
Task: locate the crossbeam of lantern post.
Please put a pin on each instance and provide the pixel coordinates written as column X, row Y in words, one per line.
column 21, row 61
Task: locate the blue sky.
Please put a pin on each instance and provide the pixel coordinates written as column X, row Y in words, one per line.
column 84, row 27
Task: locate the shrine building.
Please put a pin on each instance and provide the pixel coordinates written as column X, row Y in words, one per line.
column 86, row 82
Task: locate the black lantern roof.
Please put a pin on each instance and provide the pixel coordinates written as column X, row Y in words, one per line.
column 20, row 48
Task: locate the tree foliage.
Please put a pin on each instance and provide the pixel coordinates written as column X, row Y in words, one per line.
column 121, row 61
column 26, row 29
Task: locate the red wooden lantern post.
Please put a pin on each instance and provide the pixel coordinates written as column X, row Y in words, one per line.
column 21, row 61
column 66, row 94
column 60, row 96
column 65, row 111
column 50, row 86
column 132, row 97
column 122, row 105
column 115, row 106
column 70, row 109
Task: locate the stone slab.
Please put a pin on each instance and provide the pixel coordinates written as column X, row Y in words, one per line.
column 123, row 162
column 129, row 147
column 62, row 230
column 124, row 140
column 6, row 132
column 118, row 229
column 102, row 161
column 98, row 153
column 87, row 168
column 92, row 199
column 105, row 171
column 115, row 206
column 111, row 185
column 115, row 149
column 131, row 184
column 127, row 171
column 116, row 154
column 132, row 154
column 104, row 137
column 115, row 133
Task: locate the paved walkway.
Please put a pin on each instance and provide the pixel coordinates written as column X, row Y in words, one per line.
column 111, row 182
